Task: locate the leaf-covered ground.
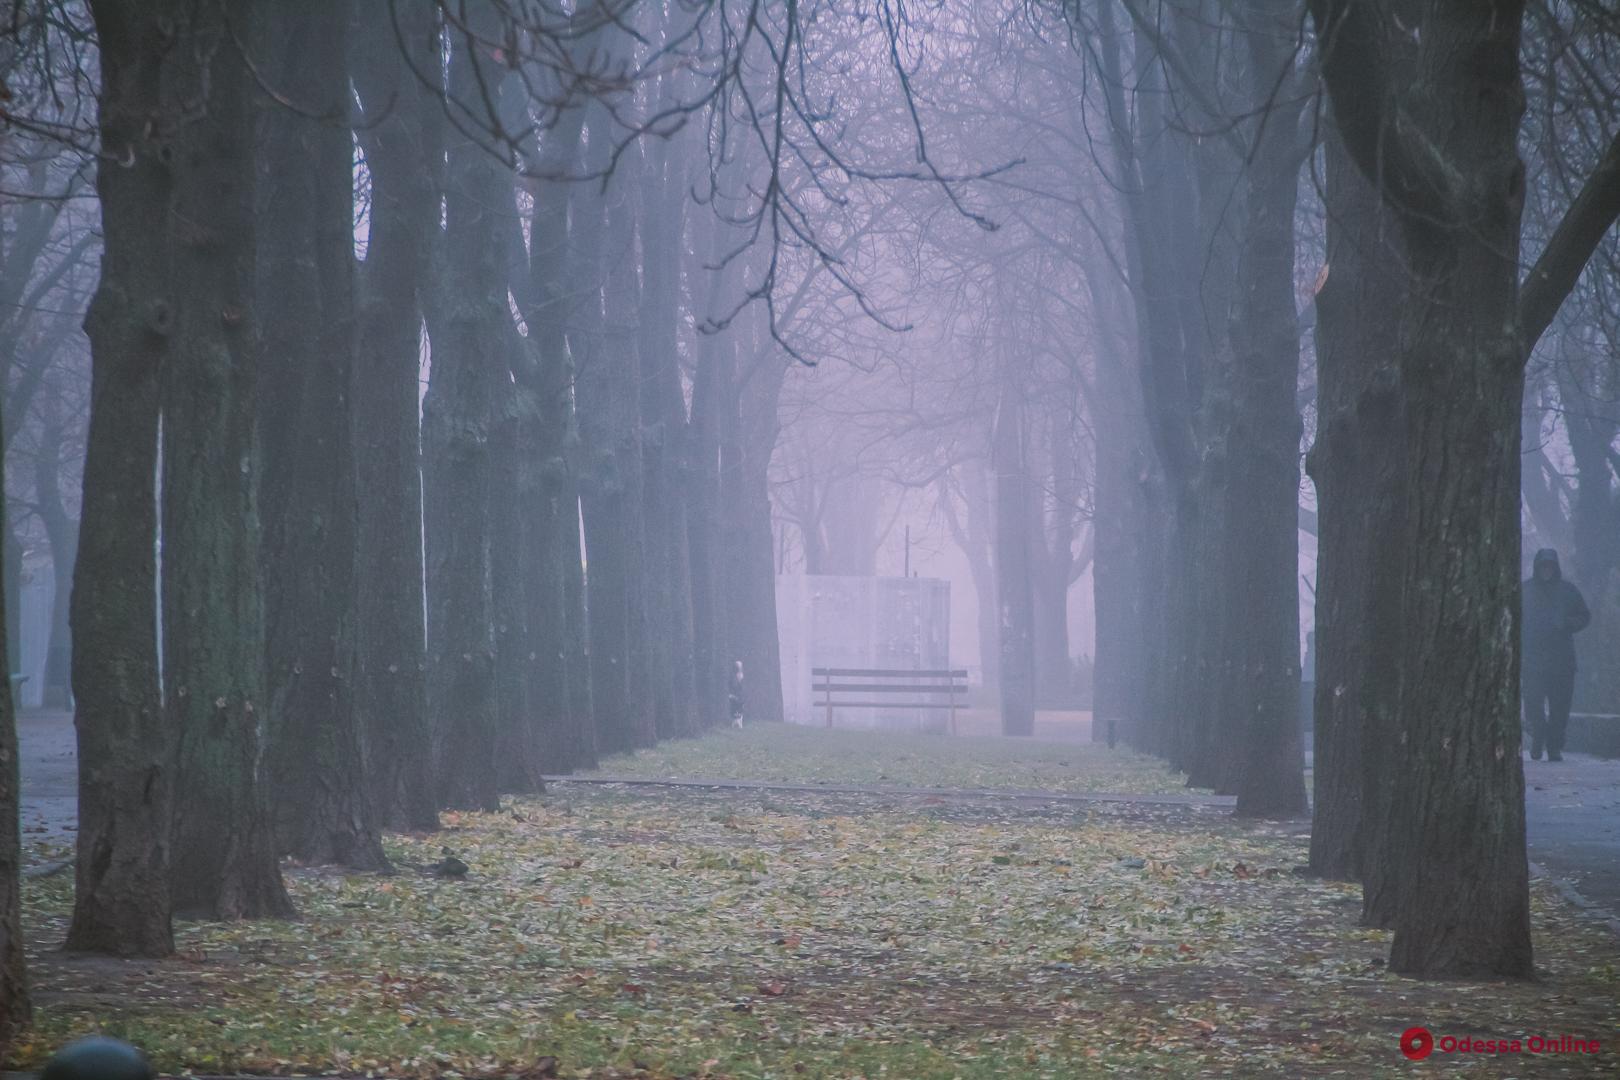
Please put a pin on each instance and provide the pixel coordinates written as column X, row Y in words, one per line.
column 609, row 932
column 791, row 754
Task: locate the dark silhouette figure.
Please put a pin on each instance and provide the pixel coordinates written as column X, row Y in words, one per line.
column 1554, row 612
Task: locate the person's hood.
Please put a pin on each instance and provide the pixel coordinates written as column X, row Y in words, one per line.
column 1547, row 557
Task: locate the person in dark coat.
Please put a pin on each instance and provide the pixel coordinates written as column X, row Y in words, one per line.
column 1553, row 613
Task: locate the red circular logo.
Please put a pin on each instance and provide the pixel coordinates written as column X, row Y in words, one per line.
column 1417, row 1043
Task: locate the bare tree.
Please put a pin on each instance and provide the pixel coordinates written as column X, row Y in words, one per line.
column 1450, row 175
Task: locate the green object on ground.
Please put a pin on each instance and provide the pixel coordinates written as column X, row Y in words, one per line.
column 97, row 1057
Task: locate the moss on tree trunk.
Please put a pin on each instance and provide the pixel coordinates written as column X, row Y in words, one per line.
column 126, row 749
column 225, row 864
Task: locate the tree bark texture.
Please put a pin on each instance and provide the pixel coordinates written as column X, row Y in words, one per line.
column 1160, row 199
column 663, row 410
column 606, row 380
column 561, row 690
column 62, row 533
column 520, row 749
column 1262, row 539
column 1119, row 583
column 1356, row 466
column 126, row 750
column 468, row 323
column 403, row 148
column 746, row 503
column 15, row 1005
column 707, row 543
column 310, row 559
column 1449, row 170
column 225, row 861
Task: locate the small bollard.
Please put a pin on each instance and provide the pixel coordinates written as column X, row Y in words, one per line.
column 97, row 1057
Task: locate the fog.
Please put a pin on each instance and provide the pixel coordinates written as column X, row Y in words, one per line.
column 407, row 405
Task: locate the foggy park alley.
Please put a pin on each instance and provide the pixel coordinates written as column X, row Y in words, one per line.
column 712, row 539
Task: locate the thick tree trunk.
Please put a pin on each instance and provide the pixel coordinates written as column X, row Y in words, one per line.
column 15, row 1006
column 1118, row 579
column 746, row 502
column 1262, row 527
column 751, row 607
column 622, row 313
column 317, row 761
column 560, row 694
column 469, row 322
column 581, row 702
column 984, row 588
column 707, row 545
column 1191, row 697
column 968, row 528
column 1156, row 732
column 1212, row 688
column 1456, row 848
column 126, row 751
column 1160, row 202
column 521, row 732
column 11, row 584
column 225, row 864
column 1116, row 693
column 663, row 410
column 401, row 143
column 1015, row 629
column 1356, row 466
column 1457, row 818
column 62, row 533
column 1054, row 674
column 610, row 428
column 1053, row 508
column 560, row 691
column 520, row 746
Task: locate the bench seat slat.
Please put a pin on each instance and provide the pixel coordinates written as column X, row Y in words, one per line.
column 940, row 705
column 890, row 673
column 890, row 688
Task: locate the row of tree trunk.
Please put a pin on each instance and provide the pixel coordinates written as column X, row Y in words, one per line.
column 1419, row 783
column 313, row 602
column 1420, row 791
column 1196, row 594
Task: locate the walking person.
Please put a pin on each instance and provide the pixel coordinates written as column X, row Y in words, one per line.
column 1553, row 613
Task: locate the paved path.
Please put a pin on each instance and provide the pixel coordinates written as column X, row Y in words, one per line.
column 50, row 776
column 1572, row 821
column 1027, row 794
column 1572, row 807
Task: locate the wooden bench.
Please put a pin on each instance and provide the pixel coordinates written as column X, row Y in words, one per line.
column 947, row 682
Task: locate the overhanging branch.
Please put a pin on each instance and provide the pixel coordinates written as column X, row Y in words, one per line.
column 1553, row 277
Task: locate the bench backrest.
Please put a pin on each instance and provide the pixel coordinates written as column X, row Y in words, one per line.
column 922, row 695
